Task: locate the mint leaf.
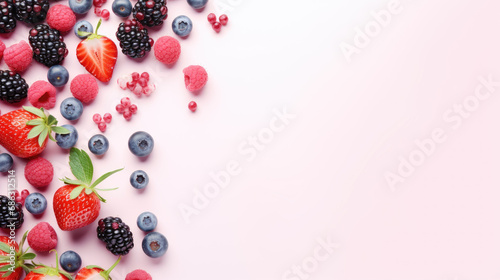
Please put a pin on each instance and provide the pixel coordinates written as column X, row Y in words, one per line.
column 76, row 192
column 81, row 165
column 103, row 177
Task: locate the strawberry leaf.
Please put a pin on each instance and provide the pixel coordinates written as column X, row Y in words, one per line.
column 5, row 268
column 60, row 130
column 103, row 177
column 51, row 120
column 34, row 122
column 4, row 247
column 35, row 111
column 76, row 192
column 29, row 256
column 81, row 165
column 35, row 131
column 69, row 181
column 43, row 136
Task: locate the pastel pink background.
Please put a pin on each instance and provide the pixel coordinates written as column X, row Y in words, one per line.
column 323, row 175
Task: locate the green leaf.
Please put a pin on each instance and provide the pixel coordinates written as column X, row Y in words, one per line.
column 35, row 131
column 76, row 192
column 43, row 136
column 69, row 181
column 106, row 190
column 52, row 138
column 81, row 165
column 51, row 120
column 103, row 177
column 60, row 130
column 4, row 247
column 35, row 111
column 29, row 256
column 5, row 268
column 35, row 122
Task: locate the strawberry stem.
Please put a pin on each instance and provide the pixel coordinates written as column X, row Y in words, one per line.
column 43, row 126
column 105, row 274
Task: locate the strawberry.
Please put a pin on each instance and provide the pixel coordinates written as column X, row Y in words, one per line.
column 45, row 272
column 8, row 248
column 97, row 54
column 25, row 131
column 78, row 203
column 95, row 272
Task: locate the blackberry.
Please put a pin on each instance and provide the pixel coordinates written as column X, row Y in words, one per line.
column 116, row 235
column 48, row 45
column 10, row 214
column 7, row 19
column 13, row 88
column 134, row 39
column 150, row 12
column 31, row 11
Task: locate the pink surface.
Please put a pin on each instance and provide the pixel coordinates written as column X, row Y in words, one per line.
column 302, row 141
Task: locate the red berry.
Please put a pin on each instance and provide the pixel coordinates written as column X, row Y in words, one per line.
column 97, row 3
column 212, row 18
column 107, row 117
column 24, row 194
column 97, row 118
column 223, row 19
column 145, row 75
column 102, row 126
column 131, row 85
column 105, row 14
column 120, row 108
column 97, row 11
column 143, row 82
column 127, row 115
column 125, row 101
column 135, row 76
column 192, row 106
column 133, row 108
column 217, row 26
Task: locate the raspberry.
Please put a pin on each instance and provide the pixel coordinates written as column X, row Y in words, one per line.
column 61, row 17
column 84, row 88
column 138, row 274
column 195, row 77
column 2, row 48
column 42, row 94
column 167, row 50
column 42, row 238
column 39, row 172
column 18, row 56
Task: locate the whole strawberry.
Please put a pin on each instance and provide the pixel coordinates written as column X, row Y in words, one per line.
column 45, row 272
column 7, row 271
column 97, row 54
column 25, row 131
column 95, row 272
column 78, row 203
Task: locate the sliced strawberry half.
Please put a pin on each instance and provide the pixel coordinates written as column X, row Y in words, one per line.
column 97, row 54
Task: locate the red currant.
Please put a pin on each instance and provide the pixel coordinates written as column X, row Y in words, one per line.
column 97, row 11
column 24, row 194
column 105, row 14
column 145, row 75
column 127, row 115
column 133, row 108
column 107, row 117
column 212, row 18
column 143, row 82
column 120, row 108
column 102, row 126
column 192, row 106
column 217, row 26
column 223, row 19
column 97, row 3
column 125, row 101
column 97, row 118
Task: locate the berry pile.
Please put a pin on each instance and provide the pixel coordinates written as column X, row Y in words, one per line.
column 126, row 108
column 138, row 84
column 217, row 25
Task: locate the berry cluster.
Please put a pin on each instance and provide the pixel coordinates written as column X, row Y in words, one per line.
column 21, row 197
column 103, row 13
column 126, row 108
column 217, row 25
column 138, row 84
column 102, row 121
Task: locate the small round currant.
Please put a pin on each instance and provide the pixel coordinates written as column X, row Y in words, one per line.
column 192, row 106
column 107, row 118
column 212, row 18
column 105, row 14
column 217, row 26
column 97, row 118
column 223, row 19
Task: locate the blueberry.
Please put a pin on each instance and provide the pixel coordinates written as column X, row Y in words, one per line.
column 70, row 261
column 66, row 141
column 141, row 144
column 71, row 108
column 154, row 245
column 83, row 26
column 197, row 4
column 139, row 179
column 98, row 144
column 182, row 26
column 147, row 221
column 80, row 6
column 58, row 75
column 122, row 8
column 35, row 203
column 6, row 162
